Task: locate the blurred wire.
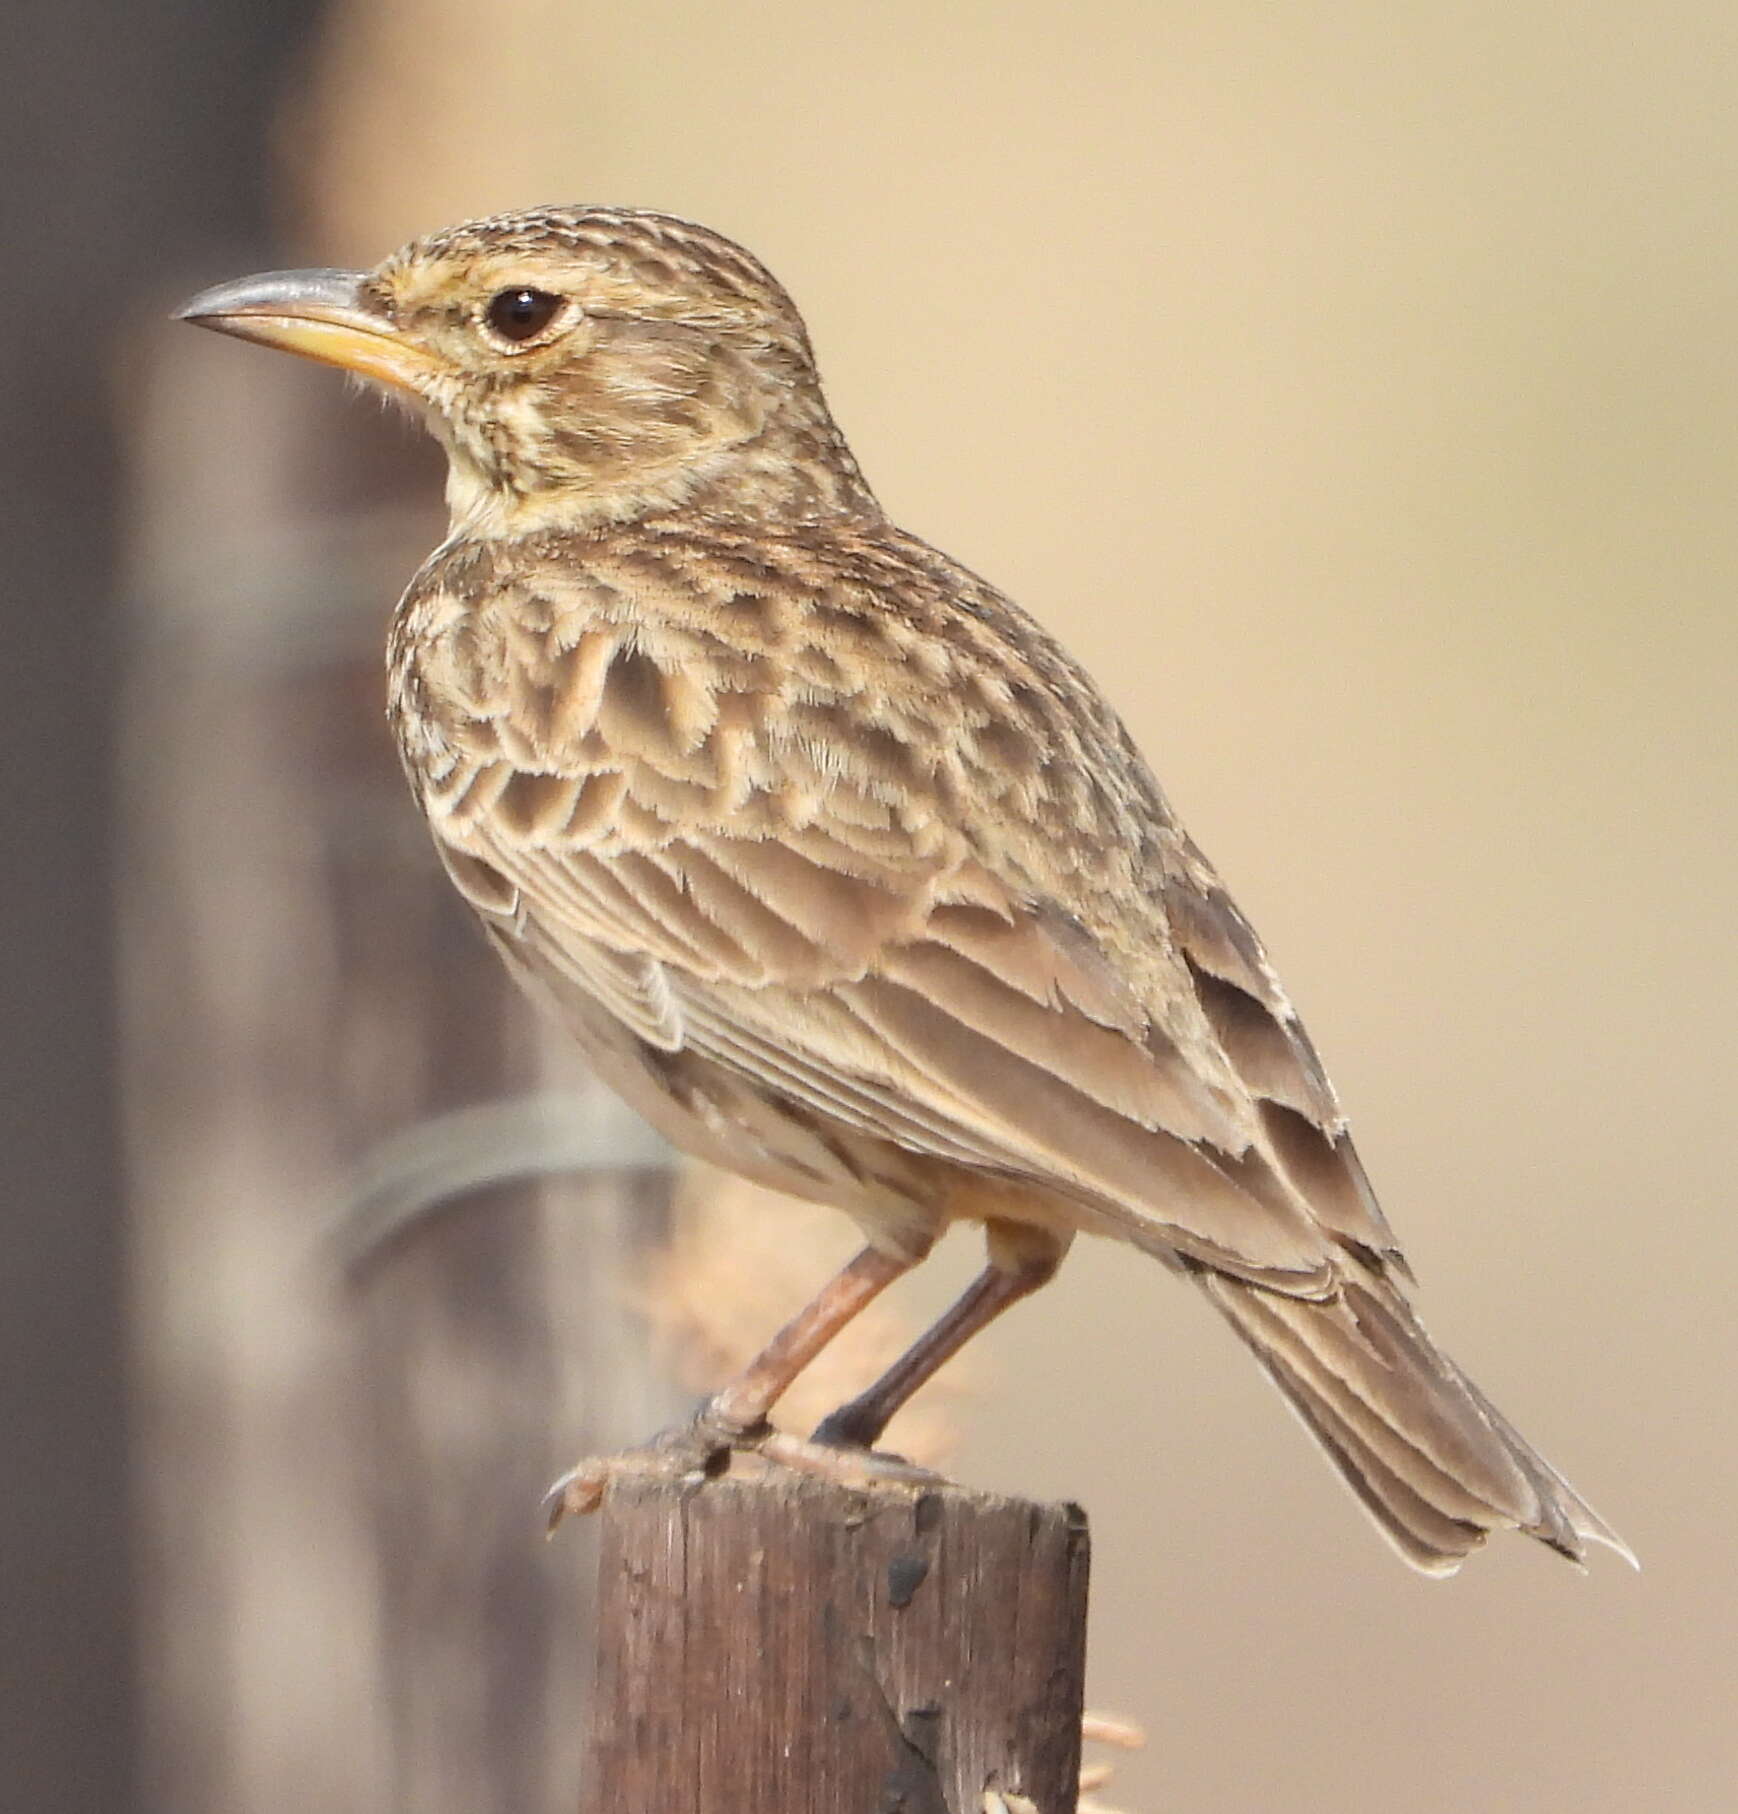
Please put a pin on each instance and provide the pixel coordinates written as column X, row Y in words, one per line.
column 432, row 1166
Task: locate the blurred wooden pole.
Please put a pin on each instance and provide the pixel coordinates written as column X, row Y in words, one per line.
column 133, row 139
column 782, row 1645
column 345, row 1601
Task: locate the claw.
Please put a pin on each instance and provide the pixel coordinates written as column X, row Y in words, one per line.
column 579, row 1491
column 689, row 1454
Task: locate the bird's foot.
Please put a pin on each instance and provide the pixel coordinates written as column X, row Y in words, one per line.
column 689, row 1453
column 701, row 1449
column 844, row 1462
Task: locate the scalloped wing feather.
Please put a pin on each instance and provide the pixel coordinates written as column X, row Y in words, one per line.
column 793, row 888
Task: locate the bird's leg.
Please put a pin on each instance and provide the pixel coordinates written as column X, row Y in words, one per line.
column 743, row 1404
column 734, row 1417
column 1022, row 1258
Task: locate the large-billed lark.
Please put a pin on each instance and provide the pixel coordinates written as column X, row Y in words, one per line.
column 837, row 867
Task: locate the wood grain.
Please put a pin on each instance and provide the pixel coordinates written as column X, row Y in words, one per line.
column 782, row 1645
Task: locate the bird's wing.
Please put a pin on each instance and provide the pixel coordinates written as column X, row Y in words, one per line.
column 780, row 875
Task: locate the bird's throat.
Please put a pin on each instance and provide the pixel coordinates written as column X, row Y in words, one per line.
column 776, row 476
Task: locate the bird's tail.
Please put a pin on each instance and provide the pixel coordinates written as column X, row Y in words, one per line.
column 1435, row 1463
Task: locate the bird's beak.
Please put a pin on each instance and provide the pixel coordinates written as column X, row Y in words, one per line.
column 319, row 314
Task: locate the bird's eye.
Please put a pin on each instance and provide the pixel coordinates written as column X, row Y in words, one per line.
column 521, row 314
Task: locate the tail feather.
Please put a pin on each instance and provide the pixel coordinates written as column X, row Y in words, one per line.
column 1434, row 1463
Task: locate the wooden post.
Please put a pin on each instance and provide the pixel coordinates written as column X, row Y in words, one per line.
column 774, row 1644
column 345, row 1602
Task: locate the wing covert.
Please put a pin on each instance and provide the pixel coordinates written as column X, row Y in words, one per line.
column 902, row 908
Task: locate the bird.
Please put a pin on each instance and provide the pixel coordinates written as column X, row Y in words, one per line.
column 840, row 869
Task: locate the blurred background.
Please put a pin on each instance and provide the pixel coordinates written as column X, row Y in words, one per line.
column 1354, row 389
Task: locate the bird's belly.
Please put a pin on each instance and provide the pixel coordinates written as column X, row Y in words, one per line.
column 704, row 1110
column 902, row 1200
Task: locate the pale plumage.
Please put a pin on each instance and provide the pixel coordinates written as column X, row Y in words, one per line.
column 840, row 869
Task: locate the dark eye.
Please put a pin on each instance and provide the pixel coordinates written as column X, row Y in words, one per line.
column 520, row 314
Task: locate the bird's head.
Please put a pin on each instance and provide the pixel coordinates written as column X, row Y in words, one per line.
column 581, row 366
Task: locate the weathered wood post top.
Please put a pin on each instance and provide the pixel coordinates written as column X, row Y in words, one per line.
column 770, row 1643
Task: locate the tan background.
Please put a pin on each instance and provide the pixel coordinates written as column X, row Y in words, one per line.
column 1356, row 390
